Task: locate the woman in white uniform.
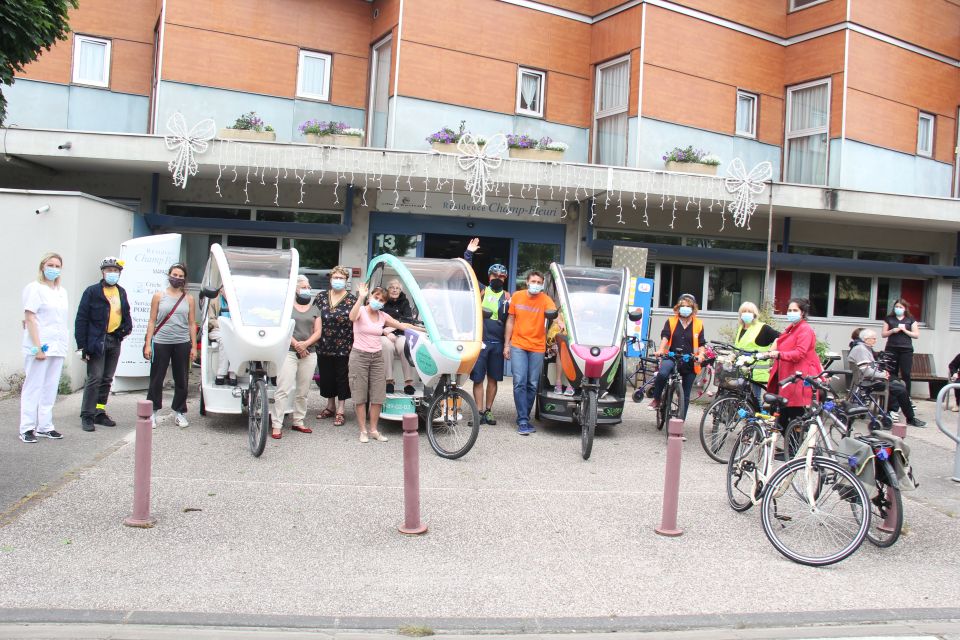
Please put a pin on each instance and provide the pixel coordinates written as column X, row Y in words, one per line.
column 45, row 329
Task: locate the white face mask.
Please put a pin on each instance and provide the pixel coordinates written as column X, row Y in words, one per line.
column 746, row 317
column 685, row 312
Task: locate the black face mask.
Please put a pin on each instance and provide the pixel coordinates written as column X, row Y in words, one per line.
column 303, row 298
column 496, row 284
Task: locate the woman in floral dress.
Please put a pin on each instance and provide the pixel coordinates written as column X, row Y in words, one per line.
column 336, row 340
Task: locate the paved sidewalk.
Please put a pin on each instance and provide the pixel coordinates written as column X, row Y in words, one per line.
column 524, row 536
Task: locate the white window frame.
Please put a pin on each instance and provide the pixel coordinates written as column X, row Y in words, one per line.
column 794, row 7
column 78, row 40
column 926, row 151
column 543, row 91
column 803, row 133
column 328, row 59
column 756, row 103
column 597, row 115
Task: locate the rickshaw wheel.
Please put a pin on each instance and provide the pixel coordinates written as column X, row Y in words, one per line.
column 588, row 421
column 258, row 421
column 453, row 423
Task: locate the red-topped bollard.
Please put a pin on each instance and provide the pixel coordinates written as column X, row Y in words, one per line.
column 411, row 478
column 671, row 480
column 141, row 468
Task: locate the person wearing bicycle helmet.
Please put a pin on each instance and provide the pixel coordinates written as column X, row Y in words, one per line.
column 682, row 334
column 103, row 321
column 495, row 303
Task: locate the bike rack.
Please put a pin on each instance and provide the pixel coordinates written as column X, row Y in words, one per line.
column 956, row 438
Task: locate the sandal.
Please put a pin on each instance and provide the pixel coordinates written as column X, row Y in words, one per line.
column 326, row 413
column 339, row 420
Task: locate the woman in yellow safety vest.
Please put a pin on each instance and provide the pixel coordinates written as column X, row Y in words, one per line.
column 753, row 335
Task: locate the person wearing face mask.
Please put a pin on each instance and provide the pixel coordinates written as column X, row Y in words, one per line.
column 45, row 342
column 301, row 361
column 864, row 363
column 495, row 304
column 393, row 343
column 525, row 340
column 900, row 329
column 794, row 351
column 368, row 382
column 171, row 342
column 682, row 334
column 756, row 336
column 102, row 322
column 336, row 340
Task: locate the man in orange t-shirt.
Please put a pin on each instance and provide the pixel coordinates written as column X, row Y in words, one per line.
column 525, row 343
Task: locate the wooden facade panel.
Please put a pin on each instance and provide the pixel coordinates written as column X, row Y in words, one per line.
column 128, row 20
column 335, row 26
column 349, row 81
column 815, row 17
column 688, row 100
column 616, row 36
column 770, row 120
column 494, row 29
column 812, row 59
column 131, row 70
column 713, row 52
column 766, row 15
column 586, row 7
column 931, row 24
column 53, row 65
column 881, row 122
column 836, row 105
column 388, row 15
column 568, row 100
column 903, row 76
column 945, row 138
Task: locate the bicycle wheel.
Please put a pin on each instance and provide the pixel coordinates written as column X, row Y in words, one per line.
column 663, row 408
column 453, row 423
column 882, row 533
column 718, row 425
column 746, row 462
column 258, row 416
column 825, row 525
column 702, row 382
column 588, row 421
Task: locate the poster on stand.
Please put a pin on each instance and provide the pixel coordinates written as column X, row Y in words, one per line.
column 641, row 300
column 146, row 261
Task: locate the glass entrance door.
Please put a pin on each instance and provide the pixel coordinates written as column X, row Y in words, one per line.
column 491, row 251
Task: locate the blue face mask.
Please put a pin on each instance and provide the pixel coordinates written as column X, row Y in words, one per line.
column 793, row 317
column 338, row 284
column 746, row 317
column 375, row 304
column 111, row 278
column 685, row 312
column 51, row 273
column 534, row 288
column 899, row 311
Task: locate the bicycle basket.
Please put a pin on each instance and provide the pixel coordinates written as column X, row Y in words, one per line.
column 730, row 379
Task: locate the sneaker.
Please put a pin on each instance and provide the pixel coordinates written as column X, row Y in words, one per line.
column 487, row 418
column 28, row 437
column 53, row 434
column 409, row 389
column 153, row 420
column 654, row 405
column 87, row 424
column 389, row 387
column 916, row 422
column 526, row 429
column 104, row 420
column 181, row 420
column 569, row 391
column 558, row 389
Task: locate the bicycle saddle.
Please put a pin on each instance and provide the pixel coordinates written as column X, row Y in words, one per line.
column 869, row 386
column 774, row 400
column 854, row 411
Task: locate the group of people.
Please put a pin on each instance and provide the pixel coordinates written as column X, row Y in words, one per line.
column 101, row 324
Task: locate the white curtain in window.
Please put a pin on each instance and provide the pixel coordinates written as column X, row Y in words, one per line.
column 809, row 107
column 807, row 159
column 745, row 114
column 614, row 87
column 91, row 61
column 312, row 75
column 612, row 140
column 530, row 92
column 924, row 135
column 800, row 285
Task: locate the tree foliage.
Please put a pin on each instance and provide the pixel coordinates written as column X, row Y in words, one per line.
column 28, row 27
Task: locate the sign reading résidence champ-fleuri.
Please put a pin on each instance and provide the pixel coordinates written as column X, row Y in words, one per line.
column 461, row 204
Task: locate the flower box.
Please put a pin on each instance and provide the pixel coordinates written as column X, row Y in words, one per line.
column 544, row 155
column 333, row 140
column 247, row 134
column 445, row 147
column 692, row 167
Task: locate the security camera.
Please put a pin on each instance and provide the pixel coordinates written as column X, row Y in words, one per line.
column 43, row 209
column 65, row 145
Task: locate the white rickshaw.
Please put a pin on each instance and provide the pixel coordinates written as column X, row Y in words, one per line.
column 258, row 286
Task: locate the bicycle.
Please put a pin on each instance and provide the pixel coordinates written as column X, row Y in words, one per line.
column 671, row 398
column 707, row 376
column 735, row 401
column 452, row 418
column 642, row 376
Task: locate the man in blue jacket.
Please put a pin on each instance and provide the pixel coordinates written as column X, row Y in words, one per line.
column 103, row 321
column 495, row 302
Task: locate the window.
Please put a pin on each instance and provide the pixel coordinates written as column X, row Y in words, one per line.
column 803, row 4
column 746, row 114
column 925, row 134
column 317, row 254
column 530, row 86
column 807, row 138
column 201, row 211
column 851, row 296
column 643, row 238
column 890, row 289
column 534, row 256
column 396, row 244
column 729, row 287
column 823, row 252
column 954, row 305
column 677, row 279
column 307, row 217
column 610, row 113
column 91, row 61
column 796, row 284
column 313, row 76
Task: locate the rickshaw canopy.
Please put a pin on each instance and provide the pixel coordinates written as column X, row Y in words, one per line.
column 593, row 301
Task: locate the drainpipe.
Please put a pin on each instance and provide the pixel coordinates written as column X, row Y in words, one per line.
column 396, row 82
column 156, row 90
column 643, row 49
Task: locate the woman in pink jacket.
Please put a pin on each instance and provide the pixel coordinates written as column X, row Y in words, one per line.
column 795, row 350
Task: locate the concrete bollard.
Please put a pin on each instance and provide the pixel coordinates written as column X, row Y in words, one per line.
column 141, row 469
column 899, row 429
column 671, row 480
column 411, row 478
